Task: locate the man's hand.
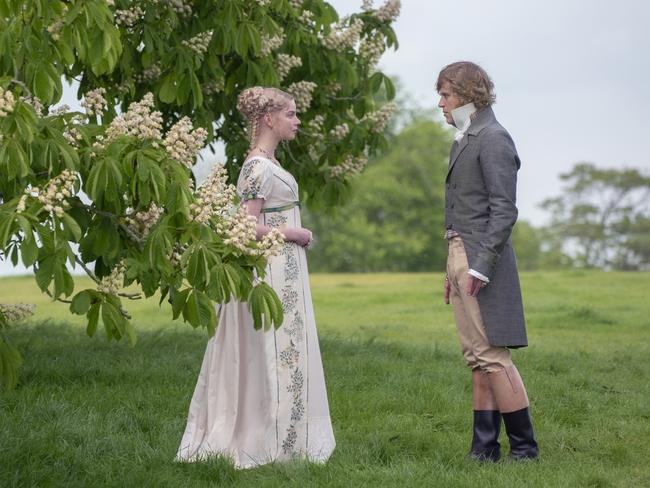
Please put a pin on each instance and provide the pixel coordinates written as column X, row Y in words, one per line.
column 447, row 290
column 474, row 285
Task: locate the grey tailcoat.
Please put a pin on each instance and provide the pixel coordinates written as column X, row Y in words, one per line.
column 480, row 205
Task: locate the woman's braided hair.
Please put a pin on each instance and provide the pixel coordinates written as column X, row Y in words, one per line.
column 257, row 101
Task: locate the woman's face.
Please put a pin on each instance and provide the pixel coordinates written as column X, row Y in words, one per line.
column 285, row 122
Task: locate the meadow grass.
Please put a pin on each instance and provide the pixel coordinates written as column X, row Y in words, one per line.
column 91, row 413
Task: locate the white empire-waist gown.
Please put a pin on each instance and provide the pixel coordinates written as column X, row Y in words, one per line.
column 260, row 396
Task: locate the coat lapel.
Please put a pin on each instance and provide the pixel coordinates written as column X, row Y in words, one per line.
column 482, row 120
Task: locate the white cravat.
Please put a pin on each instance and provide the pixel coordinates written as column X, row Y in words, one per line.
column 462, row 119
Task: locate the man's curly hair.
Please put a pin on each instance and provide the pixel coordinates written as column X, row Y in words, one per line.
column 469, row 82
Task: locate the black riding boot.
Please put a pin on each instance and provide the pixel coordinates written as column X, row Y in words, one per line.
column 485, row 442
column 520, row 433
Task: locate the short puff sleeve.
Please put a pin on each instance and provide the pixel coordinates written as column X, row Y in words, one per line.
column 255, row 180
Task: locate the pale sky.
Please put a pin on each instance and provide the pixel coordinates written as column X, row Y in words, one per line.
column 571, row 78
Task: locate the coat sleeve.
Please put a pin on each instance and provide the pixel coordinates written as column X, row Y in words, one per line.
column 499, row 164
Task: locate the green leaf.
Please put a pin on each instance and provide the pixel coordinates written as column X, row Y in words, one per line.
column 71, row 225
column 390, row 88
column 80, row 303
column 93, row 319
column 43, row 86
column 114, row 321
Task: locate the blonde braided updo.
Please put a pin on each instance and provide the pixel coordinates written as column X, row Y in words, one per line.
column 257, row 101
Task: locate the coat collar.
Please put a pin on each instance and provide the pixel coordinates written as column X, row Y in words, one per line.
column 483, row 118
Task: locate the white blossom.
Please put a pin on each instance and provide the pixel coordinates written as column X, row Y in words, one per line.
column 379, row 118
column 350, row 166
column 94, row 102
column 138, row 121
column 18, row 311
column 340, row 131
column 52, row 196
column 213, row 197
column 182, row 143
column 270, row 44
column 141, row 222
column 7, row 102
column 389, row 11
column 113, row 282
column 301, row 92
column 285, row 63
column 128, row 17
column 343, row 34
column 200, row 42
column 372, row 48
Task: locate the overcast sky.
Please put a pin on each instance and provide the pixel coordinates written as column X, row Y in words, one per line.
column 571, row 77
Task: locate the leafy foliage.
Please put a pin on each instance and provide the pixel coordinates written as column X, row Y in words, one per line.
column 395, row 217
column 112, row 188
column 602, row 218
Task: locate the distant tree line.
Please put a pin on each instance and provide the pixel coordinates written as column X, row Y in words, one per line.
column 394, row 218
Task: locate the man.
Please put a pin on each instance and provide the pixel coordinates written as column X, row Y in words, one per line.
column 482, row 281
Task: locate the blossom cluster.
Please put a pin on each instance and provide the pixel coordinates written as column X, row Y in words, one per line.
column 389, row 11
column 285, row 63
column 379, row 118
column 270, row 44
column 182, row 143
column 366, row 5
column 372, row 48
column 315, row 127
column 200, row 42
column 55, row 194
column 240, row 229
column 213, row 87
column 349, row 166
column 181, row 7
column 339, row 132
column 128, row 17
column 55, row 29
column 34, row 102
column 213, row 196
column 271, row 243
column 343, row 34
column 112, row 283
column 18, row 311
column 150, row 74
column 141, row 222
column 7, row 102
column 263, row 3
column 297, row 4
column 138, row 121
column 94, row 102
column 306, row 17
column 301, row 91
column 71, row 133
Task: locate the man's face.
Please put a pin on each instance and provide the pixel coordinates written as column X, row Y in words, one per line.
column 448, row 101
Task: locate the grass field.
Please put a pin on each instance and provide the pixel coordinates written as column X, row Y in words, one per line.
column 91, row 413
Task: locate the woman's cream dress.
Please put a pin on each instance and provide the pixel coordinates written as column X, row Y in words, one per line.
column 260, row 396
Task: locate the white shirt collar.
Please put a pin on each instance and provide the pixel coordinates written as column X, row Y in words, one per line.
column 462, row 119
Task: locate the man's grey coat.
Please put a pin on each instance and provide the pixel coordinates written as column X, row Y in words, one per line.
column 480, row 205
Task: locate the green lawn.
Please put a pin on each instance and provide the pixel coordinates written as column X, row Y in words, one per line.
column 91, row 413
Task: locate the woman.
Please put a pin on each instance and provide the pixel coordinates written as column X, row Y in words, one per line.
column 260, row 396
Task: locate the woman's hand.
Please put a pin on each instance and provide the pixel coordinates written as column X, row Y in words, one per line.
column 299, row 235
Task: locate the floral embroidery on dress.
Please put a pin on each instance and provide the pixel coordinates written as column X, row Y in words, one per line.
column 289, row 357
column 276, row 220
column 250, row 188
column 295, row 328
column 289, row 299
